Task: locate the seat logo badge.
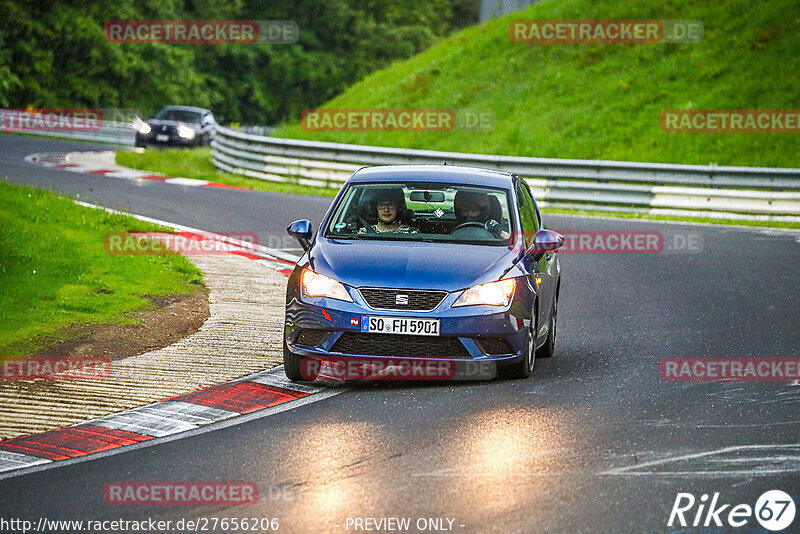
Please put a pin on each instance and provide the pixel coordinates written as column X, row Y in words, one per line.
column 401, row 300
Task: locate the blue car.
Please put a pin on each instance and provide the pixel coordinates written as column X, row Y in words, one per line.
column 426, row 267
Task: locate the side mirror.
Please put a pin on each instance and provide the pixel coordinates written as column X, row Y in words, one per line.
column 545, row 241
column 302, row 231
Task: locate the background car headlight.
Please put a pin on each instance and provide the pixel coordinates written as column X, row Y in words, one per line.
column 141, row 126
column 319, row 285
column 491, row 294
column 185, row 132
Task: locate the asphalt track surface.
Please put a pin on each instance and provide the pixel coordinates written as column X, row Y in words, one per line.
column 595, row 441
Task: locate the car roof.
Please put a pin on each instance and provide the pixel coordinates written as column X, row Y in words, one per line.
column 433, row 173
column 186, row 108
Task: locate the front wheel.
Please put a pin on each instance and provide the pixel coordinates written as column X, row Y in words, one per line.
column 524, row 367
column 291, row 365
column 549, row 347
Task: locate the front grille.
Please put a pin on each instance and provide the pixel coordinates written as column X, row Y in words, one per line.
column 494, row 346
column 310, row 338
column 399, row 345
column 386, row 299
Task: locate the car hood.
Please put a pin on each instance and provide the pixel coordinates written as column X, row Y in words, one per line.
column 409, row 265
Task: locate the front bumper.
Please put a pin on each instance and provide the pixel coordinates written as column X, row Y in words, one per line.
column 322, row 327
column 151, row 139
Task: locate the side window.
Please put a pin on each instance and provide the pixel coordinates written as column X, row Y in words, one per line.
column 527, row 214
column 535, row 206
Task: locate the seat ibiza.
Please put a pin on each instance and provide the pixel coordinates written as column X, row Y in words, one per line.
column 423, row 264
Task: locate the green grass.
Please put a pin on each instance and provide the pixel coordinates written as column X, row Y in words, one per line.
column 647, row 217
column 598, row 101
column 196, row 163
column 55, row 273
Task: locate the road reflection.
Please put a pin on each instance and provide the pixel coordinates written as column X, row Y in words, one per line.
column 500, row 459
column 334, row 455
column 474, row 469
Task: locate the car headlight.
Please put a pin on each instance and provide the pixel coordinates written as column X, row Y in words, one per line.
column 319, row 285
column 185, row 132
column 144, row 128
column 491, row 294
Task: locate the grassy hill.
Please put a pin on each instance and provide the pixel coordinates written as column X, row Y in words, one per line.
column 599, row 101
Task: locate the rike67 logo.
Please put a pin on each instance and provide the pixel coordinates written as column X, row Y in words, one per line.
column 774, row 511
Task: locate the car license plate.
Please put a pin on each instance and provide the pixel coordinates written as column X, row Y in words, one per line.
column 162, row 138
column 399, row 325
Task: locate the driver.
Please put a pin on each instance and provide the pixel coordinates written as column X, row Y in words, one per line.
column 474, row 206
column 391, row 211
column 471, row 206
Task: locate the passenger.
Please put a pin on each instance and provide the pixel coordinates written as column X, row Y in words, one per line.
column 392, row 214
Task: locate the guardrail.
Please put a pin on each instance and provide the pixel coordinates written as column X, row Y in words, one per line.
column 707, row 190
column 120, row 133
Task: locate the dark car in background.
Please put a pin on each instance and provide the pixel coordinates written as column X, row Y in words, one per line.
column 181, row 126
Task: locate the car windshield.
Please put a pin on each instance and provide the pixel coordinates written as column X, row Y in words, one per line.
column 180, row 115
column 415, row 211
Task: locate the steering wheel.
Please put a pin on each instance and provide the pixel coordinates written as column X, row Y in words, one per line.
column 469, row 224
column 365, row 224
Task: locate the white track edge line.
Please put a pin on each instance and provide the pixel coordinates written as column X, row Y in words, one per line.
column 181, row 228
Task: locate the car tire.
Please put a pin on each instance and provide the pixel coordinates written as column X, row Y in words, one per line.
column 523, row 368
column 291, row 365
column 549, row 347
